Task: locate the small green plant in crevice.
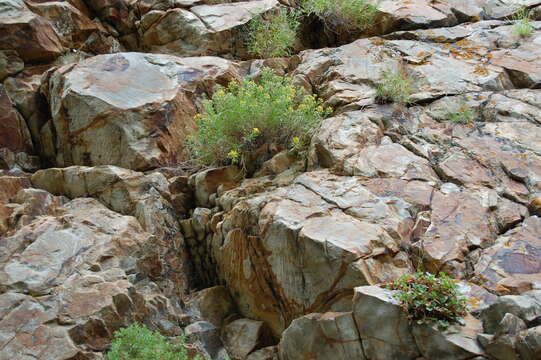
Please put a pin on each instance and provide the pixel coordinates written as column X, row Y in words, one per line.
column 137, row 342
column 395, row 86
column 249, row 115
column 463, row 114
column 273, row 35
column 356, row 15
column 428, row 298
column 523, row 26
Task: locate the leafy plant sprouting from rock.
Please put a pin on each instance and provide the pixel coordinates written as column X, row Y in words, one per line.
column 463, row 114
column 136, row 342
column 343, row 14
column 428, row 298
column 273, row 35
column 395, row 86
column 523, row 26
column 248, row 115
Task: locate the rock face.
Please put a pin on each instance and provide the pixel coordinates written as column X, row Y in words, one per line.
column 376, row 329
column 138, row 108
column 213, row 29
column 103, row 223
column 65, row 278
column 30, row 35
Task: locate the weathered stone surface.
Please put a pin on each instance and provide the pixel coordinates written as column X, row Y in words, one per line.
column 391, row 338
column 24, row 91
column 10, row 63
column 456, row 342
column 138, row 108
column 72, row 26
column 14, row 133
column 321, row 336
column 212, row 304
column 322, row 222
column 267, row 353
column 130, row 193
column 65, row 278
column 32, row 36
column 244, row 336
column 213, row 29
column 362, row 63
column 513, row 264
column 206, row 183
column 526, row 307
column 207, row 338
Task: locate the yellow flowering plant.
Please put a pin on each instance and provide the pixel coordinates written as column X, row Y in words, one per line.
column 247, row 114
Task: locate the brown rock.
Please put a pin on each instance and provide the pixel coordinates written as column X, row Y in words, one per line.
column 244, row 336
column 10, row 63
column 513, row 264
column 213, row 304
column 14, row 133
column 140, row 108
column 322, row 336
column 32, row 36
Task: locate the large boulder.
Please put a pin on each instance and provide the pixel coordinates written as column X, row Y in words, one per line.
column 301, row 248
column 32, row 36
column 377, row 328
column 67, row 278
column 132, row 110
column 322, row 336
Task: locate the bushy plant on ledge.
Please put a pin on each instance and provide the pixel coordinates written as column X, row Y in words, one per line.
column 136, row 342
column 273, row 35
column 428, row 298
column 356, row 15
column 395, row 86
column 246, row 115
column 523, row 26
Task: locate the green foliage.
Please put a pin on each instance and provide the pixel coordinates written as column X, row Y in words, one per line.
column 395, row 86
column 349, row 14
column 463, row 115
column 429, row 299
column 523, row 27
column 136, row 342
column 244, row 116
column 273, row 35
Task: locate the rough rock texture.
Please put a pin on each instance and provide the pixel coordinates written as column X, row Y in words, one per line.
column 286, row 262
column 376, row 329
column 30, row 35
column 132, row 110
column 67, row 276
column 130, row 193
column 214, row 29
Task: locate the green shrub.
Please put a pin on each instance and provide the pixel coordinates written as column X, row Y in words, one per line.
column 523, row 27
column 429, row 299
column 244, row 116
column 136, row 342
column 274, row 35
column 347, row 14
column 395, row 86
column 463, row 115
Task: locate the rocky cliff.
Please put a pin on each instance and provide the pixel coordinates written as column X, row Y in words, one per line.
column 103, row 224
